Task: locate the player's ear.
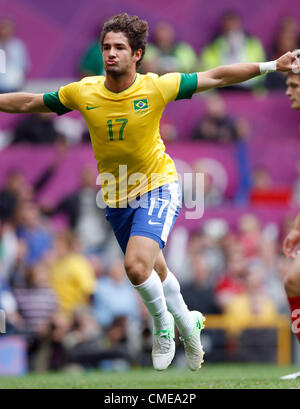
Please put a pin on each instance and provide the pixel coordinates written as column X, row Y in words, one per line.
column 138, row 54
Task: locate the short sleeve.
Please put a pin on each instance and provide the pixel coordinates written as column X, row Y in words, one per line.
column 63, row 100
column 175, row 86
column 188, row 85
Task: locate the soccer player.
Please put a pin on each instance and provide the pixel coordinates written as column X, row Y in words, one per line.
column 139, row 181
column 290, row 243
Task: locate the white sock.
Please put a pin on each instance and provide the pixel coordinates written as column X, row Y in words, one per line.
column 176, row 305
column 152, row 294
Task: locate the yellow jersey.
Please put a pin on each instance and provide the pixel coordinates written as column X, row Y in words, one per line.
column 74, row 281
column 124, row 129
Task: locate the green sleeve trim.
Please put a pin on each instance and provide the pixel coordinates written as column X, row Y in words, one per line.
column 52, row 101
column 188, row 85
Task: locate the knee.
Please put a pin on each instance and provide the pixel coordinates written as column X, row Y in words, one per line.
column 136, row 270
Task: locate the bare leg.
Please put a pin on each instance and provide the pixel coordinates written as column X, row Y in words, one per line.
column 160, row 266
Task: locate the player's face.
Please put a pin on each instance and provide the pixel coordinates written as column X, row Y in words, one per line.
column 293, row 90
column 117, row 54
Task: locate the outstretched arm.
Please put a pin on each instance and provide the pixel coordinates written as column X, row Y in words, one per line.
column 22, row 102
column 232, row 74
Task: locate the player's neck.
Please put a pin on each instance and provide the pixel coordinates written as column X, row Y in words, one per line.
column 119, row 83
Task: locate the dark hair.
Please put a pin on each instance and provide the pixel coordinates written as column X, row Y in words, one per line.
column 135, row 29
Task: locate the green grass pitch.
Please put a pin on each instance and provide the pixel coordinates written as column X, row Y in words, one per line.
column 211, row 376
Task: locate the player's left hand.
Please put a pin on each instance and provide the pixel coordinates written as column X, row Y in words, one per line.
column 284, row 63
column 290, row 243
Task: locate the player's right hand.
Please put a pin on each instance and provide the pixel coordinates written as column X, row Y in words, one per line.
column 290, row 243
column 284, row 63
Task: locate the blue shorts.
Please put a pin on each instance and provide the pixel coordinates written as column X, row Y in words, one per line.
column 152, row 215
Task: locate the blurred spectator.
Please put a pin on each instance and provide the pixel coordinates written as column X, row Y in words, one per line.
column 232, row 282
column 117, row 331
column 36, row 129
column 217, row 125
column 253, row 305
column 202, row 186
column 208, row 243
column 165, row 54
column 85, row 328
column 92, row 62
column 199, row 294
column 86, row 218
column 8, row 202
column 12, row 250
column 37, row 303
column 272, row 281
column 36, row 300
column 168, row 131
column 82, row 343
column 86, row 345
column 249, row 235
column 261, row 178
column 60, row 327
column 46, row 128
column 8, row 304
column 16, row 188
column 232, row 45
column 264, row 192
column 260, row 246
column 287, row 39
column 272, row 265
column 72, row 275
column 16, row 56
column 71, row 129
column 114, row 297
column 33, row 230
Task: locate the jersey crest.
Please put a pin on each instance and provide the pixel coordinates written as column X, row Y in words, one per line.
column 140, row 104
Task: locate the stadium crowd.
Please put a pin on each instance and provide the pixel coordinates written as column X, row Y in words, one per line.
column 65, row 291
